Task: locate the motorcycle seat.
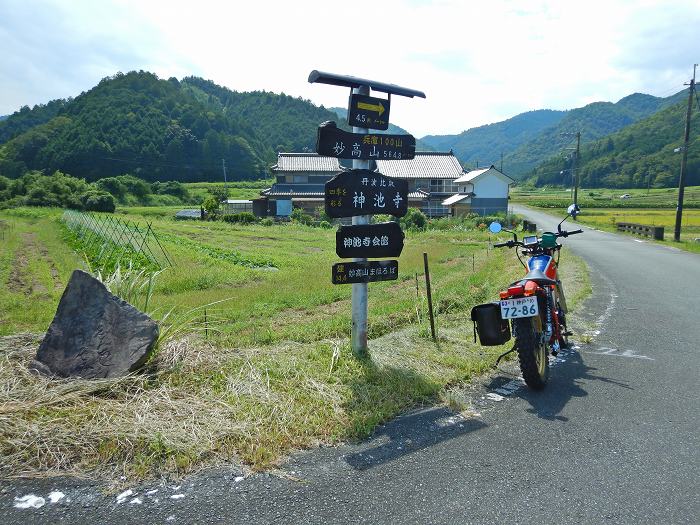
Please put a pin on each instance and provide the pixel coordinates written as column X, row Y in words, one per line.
column 539, row 277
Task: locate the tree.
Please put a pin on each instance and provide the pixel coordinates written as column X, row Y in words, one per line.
column 211, row 205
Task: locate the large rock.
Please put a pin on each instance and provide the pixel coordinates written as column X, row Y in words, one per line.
column 95, row 334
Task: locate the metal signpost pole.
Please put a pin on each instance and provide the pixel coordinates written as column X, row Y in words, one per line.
column 358, row 335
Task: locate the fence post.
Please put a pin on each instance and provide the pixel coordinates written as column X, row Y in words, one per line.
column 430, row 297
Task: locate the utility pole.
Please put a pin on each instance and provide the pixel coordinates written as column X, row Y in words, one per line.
column 358, row 334
column 576, row 162
column 223, row 165
column 574, row 166
column 684, row 160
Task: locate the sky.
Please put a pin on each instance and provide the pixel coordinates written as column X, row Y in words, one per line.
column 478, row 62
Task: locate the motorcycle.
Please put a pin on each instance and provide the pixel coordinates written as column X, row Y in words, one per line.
column 534, row 305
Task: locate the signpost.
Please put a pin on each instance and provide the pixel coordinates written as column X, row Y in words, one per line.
column 331, row 141
column 369, row 240
column 368, row 112
column 363, row 192
column 352, row 194
column 365, row 272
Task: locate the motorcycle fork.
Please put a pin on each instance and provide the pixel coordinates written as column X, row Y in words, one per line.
column 553, row 318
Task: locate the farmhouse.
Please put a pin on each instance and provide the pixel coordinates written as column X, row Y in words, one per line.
column 483, row 191
column 300, row 179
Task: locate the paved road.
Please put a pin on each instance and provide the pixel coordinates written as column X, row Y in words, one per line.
column 613, row 439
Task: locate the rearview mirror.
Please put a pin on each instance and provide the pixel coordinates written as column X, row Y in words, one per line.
column 573, row 210
column 495, row 227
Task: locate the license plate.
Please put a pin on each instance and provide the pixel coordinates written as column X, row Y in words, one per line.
column 521, row 307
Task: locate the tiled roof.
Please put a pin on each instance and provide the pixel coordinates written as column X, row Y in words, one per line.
column 305, row 162
column 425, row 165
column 418, row 194
column 283, row 187
column 294, row 194
column 295, row 190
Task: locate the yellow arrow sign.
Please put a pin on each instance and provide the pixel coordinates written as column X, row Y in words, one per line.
column 379, row 108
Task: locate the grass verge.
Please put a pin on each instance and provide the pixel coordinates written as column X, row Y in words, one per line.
column 283, row 378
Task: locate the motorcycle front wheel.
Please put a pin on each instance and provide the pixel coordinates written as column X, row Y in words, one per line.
column 532, row 351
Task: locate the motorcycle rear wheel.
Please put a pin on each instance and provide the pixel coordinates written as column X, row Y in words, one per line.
column 532, row 352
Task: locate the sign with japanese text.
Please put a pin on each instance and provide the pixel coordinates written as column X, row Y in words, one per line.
column 332, row 141
column 368, row 112
column 365, row 192
column 369, row 240
column 365, row 272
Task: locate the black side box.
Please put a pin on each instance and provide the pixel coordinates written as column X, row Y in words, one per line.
column 488, row 324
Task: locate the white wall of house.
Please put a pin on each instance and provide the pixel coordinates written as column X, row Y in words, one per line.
column 491, row 187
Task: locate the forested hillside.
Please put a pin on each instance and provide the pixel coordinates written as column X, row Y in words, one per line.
column 25, row 118
column 594, row 121
column 282, row 123
column 158, row 130
column 529, row 139
column 485, row 144
column 641, row 154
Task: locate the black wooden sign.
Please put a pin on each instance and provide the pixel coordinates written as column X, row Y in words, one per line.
column 369, row 240
column 332, row 141
column 365, row 272
column 365, row 192
column 368, row 112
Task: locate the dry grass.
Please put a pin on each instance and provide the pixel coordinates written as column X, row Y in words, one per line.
column 137, row 425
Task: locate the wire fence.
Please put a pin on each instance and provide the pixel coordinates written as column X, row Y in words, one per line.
column 108, row 240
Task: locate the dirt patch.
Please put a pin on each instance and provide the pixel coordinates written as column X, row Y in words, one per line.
column 20, row 281
column 15, row 283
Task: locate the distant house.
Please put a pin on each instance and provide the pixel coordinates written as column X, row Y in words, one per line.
column 431, row 177
column 483, row 191
column 300, row 179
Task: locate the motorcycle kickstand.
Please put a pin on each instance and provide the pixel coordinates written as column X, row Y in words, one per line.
column 502, row 356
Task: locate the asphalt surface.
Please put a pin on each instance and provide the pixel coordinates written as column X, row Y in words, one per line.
column 612, row 439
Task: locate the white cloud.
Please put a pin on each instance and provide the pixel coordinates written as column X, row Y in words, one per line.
column 478, row 62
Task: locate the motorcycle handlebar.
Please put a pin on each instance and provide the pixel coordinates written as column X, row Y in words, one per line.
column 573, row 232
column 501, row 244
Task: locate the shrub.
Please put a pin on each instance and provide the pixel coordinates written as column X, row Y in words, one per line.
column 244, row 217
column 299, row 216
column 96, row 200
column 324, row 224
column 267, row 221
column 414, row 219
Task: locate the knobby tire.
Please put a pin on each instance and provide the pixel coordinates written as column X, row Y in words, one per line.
column 532, row 350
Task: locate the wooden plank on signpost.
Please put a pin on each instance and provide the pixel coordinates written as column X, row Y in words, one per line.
column 331, row 141
column 365, row 192
column 368, row 112
column 384, row 239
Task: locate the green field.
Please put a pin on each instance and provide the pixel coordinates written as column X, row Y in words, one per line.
column 273, row 372
column 603, row 208
column 665, row 198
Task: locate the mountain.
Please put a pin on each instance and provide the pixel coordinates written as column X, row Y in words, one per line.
column 158, row 130
column 3, row 117
column 421, row 145
column 485, row 144
column 639, row 155
column 594, row 121
column 529, row 139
